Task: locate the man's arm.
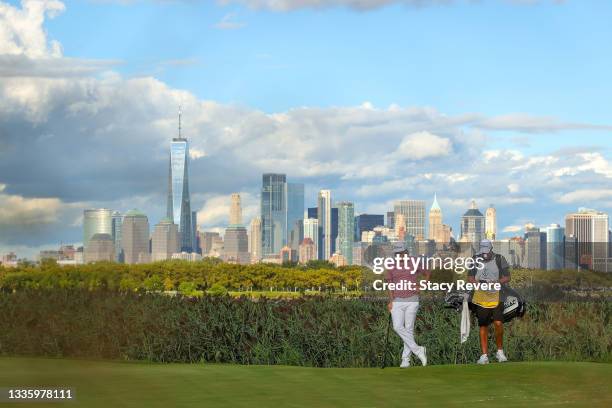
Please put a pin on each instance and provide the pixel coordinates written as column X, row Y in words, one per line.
column 472, row 275
column 504, row 274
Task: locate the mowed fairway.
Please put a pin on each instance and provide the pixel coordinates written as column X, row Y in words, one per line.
column 126, row 384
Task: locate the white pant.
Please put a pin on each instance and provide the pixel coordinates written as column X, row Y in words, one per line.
column 403, row 315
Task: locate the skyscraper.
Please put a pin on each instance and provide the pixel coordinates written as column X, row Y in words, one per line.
column 490, row 223
column 100, row 248
column 439, row 232
column 179, row 199
column 235, row 217
column 414, row 216
column 307, row 251
column 295, row 213
column 472, row 225
column 236, row 242
column 367, row 222
column 555, row 247
column 165, row 240
column 435, row 219
column 390, row 219
column 117, row 220
column 273, row 213
column 346, row 230
column 325, row 223
column 135, row 237
column 312, row 231
column 535, row 250
column 590, row 228
column 255, row 240
column 96, row 221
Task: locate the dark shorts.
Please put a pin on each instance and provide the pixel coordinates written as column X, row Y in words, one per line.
column 488, row 314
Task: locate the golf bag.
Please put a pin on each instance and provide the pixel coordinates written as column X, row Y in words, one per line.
column 514, row 303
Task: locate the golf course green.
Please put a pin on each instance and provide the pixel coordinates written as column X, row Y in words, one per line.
column 137, row 384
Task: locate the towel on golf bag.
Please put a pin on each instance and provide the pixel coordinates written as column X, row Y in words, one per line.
column 514, row 304
column 465, row 321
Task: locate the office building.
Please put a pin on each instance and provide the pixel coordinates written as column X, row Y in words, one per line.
column 165, row 240
column 206, row 240
column 312, row 231
column 307, row 250
column 187, row 256
column 96, row 221
column 367, row 222
column 179, row 200
column 116, row 221
column 339, row 259
column 236, row 245
column 282, row 205
column 472, row 225
column 325, row 223
column 101, row 248
column 490, row 223
column 590, row 228
column 236, row 241
column 135, row 237
column 414, row 217
column 555, row 247
column 255, row 240
column 235, row 217
column 346, row 230
column 390, row 219
column 535, row 245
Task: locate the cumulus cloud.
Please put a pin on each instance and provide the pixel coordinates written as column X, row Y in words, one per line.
column 214, row 214
column 422, row 145
column 586, row 195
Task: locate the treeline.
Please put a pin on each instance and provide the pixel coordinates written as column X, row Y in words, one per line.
column 215, row 277
column 186, row 277
column 310, row 331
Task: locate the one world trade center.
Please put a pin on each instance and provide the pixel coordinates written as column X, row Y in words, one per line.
column 179, row 206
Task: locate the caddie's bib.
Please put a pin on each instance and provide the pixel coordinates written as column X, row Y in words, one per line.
column 487, row 298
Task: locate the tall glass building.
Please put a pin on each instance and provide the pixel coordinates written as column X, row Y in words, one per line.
column 179, row 205
column 273, row 213
column 116, row 222
column 325, row 223
column 282, row 206
column 295, row 213
column 555, row 247
column 96, row 221
column 346, row 230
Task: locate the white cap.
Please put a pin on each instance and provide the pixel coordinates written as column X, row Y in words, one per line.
column 485, row 247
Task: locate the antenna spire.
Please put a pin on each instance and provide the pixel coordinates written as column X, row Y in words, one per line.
column 180, row 113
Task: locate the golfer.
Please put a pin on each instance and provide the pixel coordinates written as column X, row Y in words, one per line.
column 488, row 303
column 403, row 305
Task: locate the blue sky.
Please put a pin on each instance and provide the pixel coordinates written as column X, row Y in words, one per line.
column 311, row 88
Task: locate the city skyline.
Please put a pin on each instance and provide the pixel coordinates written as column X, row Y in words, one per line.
column 82, row 127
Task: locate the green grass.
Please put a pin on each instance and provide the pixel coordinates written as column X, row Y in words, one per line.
column 126, row 384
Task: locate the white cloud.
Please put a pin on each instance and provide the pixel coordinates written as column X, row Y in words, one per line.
column 586, row 195
column 195, row 154
column 21, row 29
column 17, row 210
column 421, row 145
column 214, row 214
column 227, row 22
column 514, row 188
column 512, row 228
